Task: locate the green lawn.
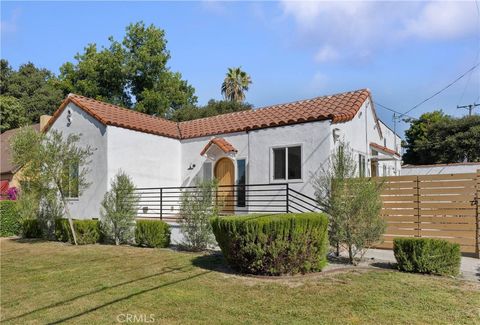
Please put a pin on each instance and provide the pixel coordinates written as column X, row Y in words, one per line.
column 49, row 282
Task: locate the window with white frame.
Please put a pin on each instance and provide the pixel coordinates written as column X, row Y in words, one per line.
column 287, row 163
column 361, row 165
column 207, row 171
column 70, row 181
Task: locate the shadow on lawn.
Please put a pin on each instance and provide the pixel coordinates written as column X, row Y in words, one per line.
column 57, row 304
column 213, row 262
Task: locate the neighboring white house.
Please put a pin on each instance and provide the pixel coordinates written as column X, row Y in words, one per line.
column 453, row 168
column 285, row 143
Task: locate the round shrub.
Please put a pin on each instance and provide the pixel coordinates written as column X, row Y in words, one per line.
column 9, row 219
column 427, row 255
column 152, row 233
column 87, row 231
column 273, row 244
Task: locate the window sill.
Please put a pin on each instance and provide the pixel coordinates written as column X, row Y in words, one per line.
column 289, row 181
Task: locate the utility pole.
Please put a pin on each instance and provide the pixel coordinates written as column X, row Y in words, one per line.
column 470, row 107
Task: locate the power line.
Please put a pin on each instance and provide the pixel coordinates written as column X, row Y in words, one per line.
column 393, row 111
column 441, row 90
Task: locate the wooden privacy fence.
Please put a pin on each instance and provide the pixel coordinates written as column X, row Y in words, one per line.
column 432, row 206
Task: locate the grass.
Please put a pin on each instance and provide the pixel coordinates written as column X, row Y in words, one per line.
column 49, row 282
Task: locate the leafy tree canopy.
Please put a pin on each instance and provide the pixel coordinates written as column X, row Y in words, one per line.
column 214, row 107
column 132, row 73
column 439, row 138
column 34, row 88
column 12, row 113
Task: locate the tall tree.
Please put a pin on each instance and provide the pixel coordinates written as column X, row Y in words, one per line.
column 214, row 107
column 12, row 113
column 132, row 73
column 235, row 84
column 35, row 89
column 439, row 138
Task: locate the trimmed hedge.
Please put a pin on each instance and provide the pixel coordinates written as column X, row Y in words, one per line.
column 10, row 224
column 87, row 231
column 427, row 255
column 273, row 244
column 152, row 233
column 31, row 229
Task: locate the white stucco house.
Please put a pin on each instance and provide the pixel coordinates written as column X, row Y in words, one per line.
column 285, row 143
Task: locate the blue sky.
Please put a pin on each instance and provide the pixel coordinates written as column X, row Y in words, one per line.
column 403, row 51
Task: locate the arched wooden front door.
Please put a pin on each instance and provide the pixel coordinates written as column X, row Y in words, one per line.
column 225, row 174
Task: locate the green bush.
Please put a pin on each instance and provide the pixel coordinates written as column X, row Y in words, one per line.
column 152, row 233
column 87, row 231
column 31, row 229
column 273, row 244
column 9, row 219
column 427, row 255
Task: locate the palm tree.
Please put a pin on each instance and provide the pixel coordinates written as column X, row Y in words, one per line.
column 235, row 84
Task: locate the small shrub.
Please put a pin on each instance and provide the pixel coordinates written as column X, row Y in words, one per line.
column 10, row 223
column 152, row 233
column 119, row 209
column 427, row 255
column 31, row 229
column 87, row 231
column 196, row 208
column 273, row 244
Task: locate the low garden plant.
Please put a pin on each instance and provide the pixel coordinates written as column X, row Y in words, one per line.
column 87, row 231
column 10, row 223
column 31, row 228
column 273, row 244
column 427, row 255
column 152, row 233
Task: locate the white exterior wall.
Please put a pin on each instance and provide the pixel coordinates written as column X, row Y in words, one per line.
column 150, row 160
column 315, row 139
column 93, row 133
column 360, row 132
column 441, row 169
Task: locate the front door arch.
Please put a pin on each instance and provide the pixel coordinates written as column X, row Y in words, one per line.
column 225, row 174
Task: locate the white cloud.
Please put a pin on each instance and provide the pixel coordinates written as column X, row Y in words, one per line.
column 326, row 53
column 357, row 29
column 443, row 20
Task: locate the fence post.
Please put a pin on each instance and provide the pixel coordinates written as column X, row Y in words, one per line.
column 417, row 199
column 477, row 220
column 287, row 197
column 161, row 203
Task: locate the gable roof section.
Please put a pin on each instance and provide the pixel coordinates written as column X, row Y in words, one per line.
column 384, row 149
column 337, row 108
column 6, row 165
column 221, row 143
column 109, row 114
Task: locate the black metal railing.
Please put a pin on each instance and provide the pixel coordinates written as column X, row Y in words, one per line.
column 165, row 202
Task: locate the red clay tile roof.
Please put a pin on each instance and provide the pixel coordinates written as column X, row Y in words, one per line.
column 221, row 143
column 384, row 149
column 338, row 108
column 109, row 114
column 6, row 165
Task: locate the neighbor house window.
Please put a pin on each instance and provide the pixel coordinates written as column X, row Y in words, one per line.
column 207, row 171
column 241, row 181
column 287, row 163
column 71, row 180
column 384, row 170
column 361, row 165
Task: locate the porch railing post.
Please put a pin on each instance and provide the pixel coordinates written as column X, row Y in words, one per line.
column 161, row 203
column 287, row 199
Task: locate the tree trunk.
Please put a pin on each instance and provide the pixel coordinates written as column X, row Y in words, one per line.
column 338, row 250
column 350, row 254
column 70, row 221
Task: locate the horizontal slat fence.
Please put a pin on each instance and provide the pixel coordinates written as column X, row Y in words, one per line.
column 432, row 206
